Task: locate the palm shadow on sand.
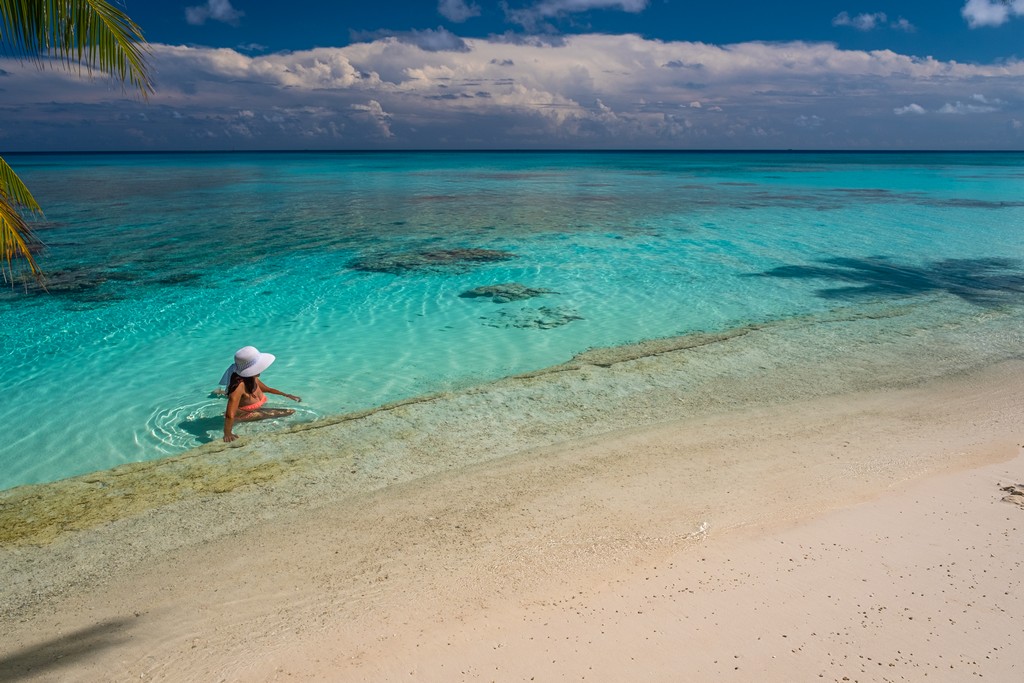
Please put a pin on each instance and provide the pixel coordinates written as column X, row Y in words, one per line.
column 981, row 281
column 64, row 651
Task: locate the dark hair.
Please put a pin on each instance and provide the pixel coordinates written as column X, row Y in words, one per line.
column 236, row 379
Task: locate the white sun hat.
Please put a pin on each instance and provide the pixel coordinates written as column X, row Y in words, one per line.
column 249, row 362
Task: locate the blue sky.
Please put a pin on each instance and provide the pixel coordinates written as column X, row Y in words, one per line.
column 936, row 27
column 454, row 74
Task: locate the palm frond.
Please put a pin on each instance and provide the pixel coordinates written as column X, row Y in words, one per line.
column 14, row 191
column 77, row 33
column 15, row 238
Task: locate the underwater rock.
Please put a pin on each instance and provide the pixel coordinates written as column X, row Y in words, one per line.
column 443, row 260
column 543, row 318
column 504, row 293
column 179, row 278
column 121, row 276
column 75, row 280
column 80, row 284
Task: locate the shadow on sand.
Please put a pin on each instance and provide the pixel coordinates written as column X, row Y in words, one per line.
column 68, row 650
column 982, row 281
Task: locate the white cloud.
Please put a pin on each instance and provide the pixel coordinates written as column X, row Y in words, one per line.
column 979, row 13
column 909, row 109
column 992, row 101
column 458, row 10
column 432, row 40
column 306, row 70
column 583, row 90
column 218, row 10
column 902, row 24
column 532, row 18
column 861, row 22
column 812, row 121
column 966, row 108
column 871, row 21
column 374, row 112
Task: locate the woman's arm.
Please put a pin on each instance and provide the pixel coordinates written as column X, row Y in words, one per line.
column 234, row 398
column 270, row 390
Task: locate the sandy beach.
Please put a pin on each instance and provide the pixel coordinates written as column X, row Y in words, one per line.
column 644, row 515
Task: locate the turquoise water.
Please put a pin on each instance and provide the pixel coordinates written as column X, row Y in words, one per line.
column 162, row 265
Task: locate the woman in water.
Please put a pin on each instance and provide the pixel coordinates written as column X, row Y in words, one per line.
column 246, row 393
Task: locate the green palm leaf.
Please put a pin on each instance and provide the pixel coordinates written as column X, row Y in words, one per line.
column 72, row 34
column 16, row 237
column 15, row 240
column 14, row 191
column 78, row 33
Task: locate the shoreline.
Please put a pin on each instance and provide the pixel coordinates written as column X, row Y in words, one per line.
column 363, row 535
column 35, row 514
column 551, row 552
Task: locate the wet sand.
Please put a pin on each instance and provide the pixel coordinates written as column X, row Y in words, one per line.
column 730, row 509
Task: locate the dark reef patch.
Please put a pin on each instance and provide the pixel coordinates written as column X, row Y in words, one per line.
column 179, row 278
column 976, row 204
column 504, row 293
column 543, row 318
column 435, row 260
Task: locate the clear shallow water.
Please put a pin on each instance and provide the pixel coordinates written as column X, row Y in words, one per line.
column 162, row 265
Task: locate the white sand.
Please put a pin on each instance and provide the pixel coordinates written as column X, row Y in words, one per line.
column 787, row 524
column 923, row 585
column 576, row 563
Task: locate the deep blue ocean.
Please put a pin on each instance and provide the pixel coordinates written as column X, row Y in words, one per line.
column 361, row 272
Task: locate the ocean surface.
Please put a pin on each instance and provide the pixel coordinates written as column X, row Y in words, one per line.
column 355, row 270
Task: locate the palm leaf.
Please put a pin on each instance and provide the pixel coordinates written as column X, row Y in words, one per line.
column 14, row 191
column 74, row 34
column 16, row 237
column 77, row 33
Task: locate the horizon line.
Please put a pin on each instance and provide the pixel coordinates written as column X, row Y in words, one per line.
column 533, row 151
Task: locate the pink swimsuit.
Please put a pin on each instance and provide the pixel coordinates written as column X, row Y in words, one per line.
column 254, row 406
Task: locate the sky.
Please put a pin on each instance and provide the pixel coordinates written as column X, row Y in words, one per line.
column 543, row 74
